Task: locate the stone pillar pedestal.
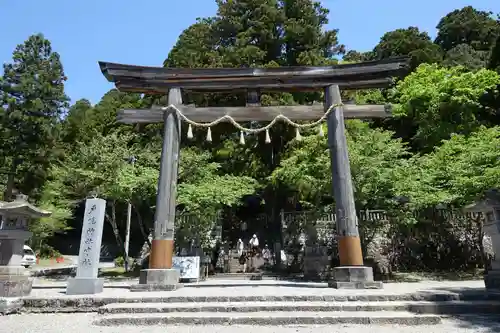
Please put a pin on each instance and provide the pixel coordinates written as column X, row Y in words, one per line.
column 353, row 277
column 492, row 277
column 157, row 280
column 15, row 280
column 84, row 286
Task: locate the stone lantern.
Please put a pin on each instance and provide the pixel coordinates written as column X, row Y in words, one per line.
column 491, row 210
column 15, row 280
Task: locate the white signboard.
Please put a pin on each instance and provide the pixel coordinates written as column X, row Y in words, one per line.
column 188, row 267
column 90, row 244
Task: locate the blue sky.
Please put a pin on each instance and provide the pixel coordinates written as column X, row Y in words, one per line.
column 143, row 32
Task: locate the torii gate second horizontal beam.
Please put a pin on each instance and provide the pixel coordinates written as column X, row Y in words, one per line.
column 253, row 113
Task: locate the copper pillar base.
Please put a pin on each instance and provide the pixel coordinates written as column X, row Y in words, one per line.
column 161, row 254
column 350, row 251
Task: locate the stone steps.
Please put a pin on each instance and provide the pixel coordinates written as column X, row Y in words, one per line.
column 63, row 303
column 289, row 312
column 267, row 318
column 448, row 307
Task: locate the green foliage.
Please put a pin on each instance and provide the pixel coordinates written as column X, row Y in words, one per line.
column 93, row 167
column 494, row 63
column 408, row 42
column 467, row 26
column 258, row 33
column 465, row 55
column 195, row 47
column 119, row 262
column 355, row 56
column 33, row 99
column 46, row 227
column 442, row 101
column 203, row 190
column 101, row 167
column 457, row 173
column 369, row 96
column 76, row 124
column 375, row 159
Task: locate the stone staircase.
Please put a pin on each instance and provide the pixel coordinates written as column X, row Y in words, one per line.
column 234, row 262
column 294, row 310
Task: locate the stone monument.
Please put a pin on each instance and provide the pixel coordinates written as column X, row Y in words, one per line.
column 15, row 280
column 86, row 281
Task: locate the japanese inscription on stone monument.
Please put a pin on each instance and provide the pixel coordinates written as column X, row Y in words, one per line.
column 90, row 244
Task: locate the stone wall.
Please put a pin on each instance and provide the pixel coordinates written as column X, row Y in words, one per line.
column 317, row 262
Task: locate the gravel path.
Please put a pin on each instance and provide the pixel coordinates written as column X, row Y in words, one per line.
column 82, row 323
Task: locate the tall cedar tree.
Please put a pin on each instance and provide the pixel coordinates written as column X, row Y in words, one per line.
column 33, row 100
column 256, row 33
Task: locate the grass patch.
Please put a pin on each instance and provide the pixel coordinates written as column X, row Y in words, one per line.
column 436, row 276
column 117, row 273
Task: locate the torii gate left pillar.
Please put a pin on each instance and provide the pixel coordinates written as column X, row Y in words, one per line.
column 351, row 274
column 161, row 276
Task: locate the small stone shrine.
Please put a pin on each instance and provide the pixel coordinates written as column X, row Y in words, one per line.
column 15, row 280
column 86, row 281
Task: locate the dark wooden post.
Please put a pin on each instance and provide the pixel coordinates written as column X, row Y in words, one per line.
column 351, row 273
column 347, row 221
column 162, row 246
column 161, row 276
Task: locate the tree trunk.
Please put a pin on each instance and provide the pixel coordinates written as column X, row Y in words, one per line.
column 9, row 188
column 480, row 227
column 145, row 234
column 112, row 221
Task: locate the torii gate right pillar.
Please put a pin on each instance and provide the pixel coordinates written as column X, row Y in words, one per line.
column 351, row 274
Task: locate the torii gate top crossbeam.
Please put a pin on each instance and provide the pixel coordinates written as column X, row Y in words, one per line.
column 364, row 75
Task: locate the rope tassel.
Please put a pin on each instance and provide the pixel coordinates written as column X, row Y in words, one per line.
column 242, row 138
column 321, row 132
column 268, row 137
column 190, row 132
column 298, row 137
column 209, row 135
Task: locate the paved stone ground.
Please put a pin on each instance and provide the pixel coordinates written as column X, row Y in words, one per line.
column 83, row 323
column 60, row 282
column 225, row 288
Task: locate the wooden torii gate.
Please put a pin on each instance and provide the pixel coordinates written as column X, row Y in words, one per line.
column 159, row 80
